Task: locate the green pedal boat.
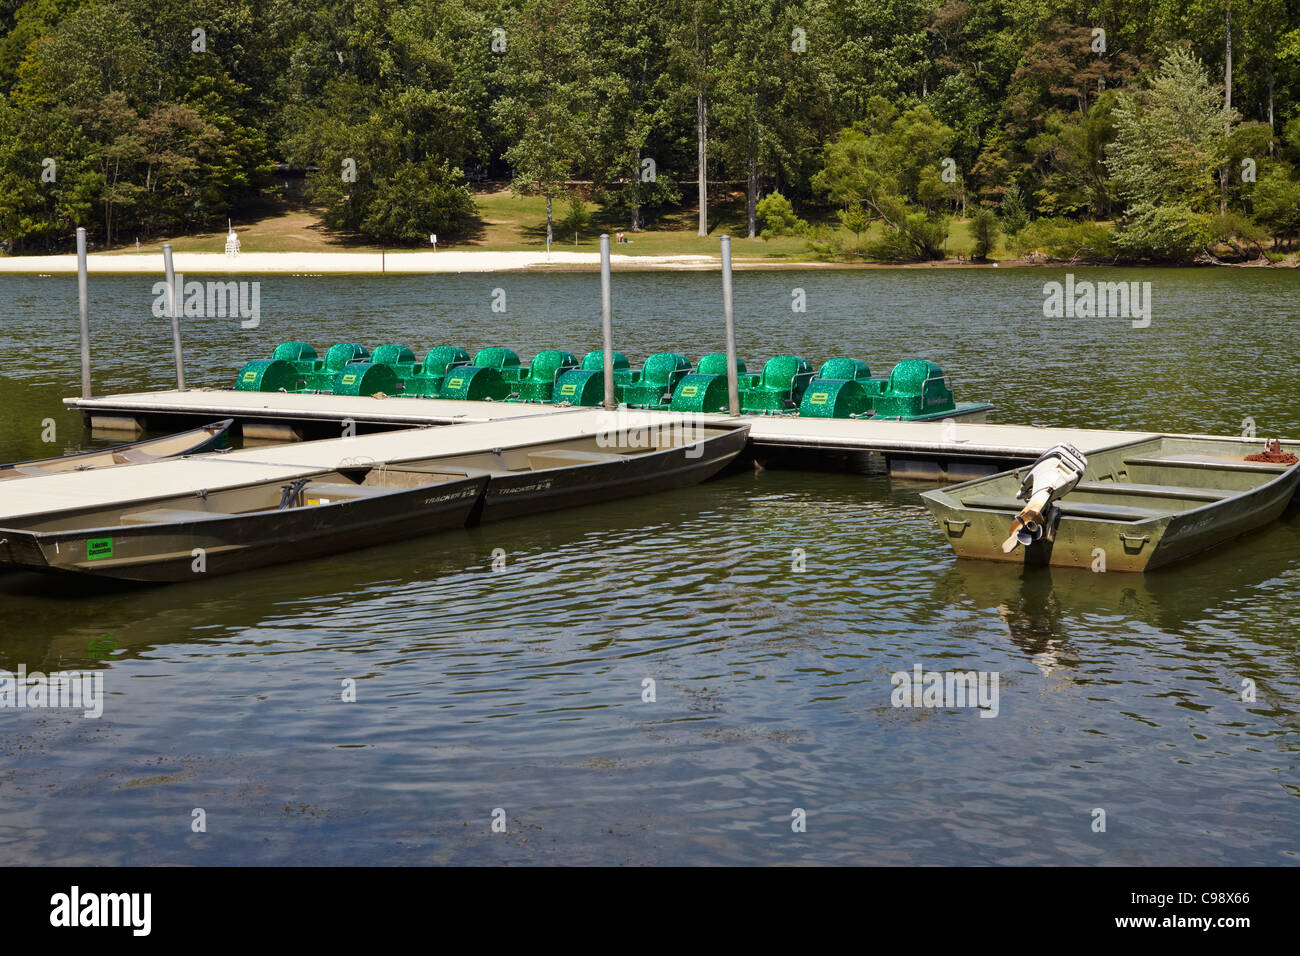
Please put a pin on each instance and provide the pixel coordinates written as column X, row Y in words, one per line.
column 1130, row 507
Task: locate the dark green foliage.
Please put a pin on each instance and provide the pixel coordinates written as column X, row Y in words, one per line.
column 778, row 217
column 1062, row 240
column 900, row 113
column 576, row 217
column 984, row 232
column 1014, row 216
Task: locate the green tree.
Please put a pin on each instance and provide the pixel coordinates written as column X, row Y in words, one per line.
column 634, row 105
column 415, row 200
column 1170, row 231
column 545, row 110
column 1012, row 212
column 694, row 64
column 779, row 217
column 1069, row 159
column 771, row 94
column 855, row 219
column 984, row 232
column 1276, row 201
column 889, row 163
column 576, row 217
column 1170, row 137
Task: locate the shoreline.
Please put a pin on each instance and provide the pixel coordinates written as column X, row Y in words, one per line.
column 434, row 263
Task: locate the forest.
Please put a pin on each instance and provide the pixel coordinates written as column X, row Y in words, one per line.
column 1114, row 130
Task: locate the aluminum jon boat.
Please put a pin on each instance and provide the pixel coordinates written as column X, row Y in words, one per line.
column 531, row 479
column 192, row 442
column 308, row 514
column 1132, row 507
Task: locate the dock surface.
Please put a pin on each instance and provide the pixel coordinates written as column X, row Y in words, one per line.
column 973, row 440
column 292, row 406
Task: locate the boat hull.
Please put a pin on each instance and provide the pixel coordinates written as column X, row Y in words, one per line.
column 526, row 493
column 1089, row 541
column 209, row 547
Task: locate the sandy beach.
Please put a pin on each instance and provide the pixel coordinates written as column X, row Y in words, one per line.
column 367, row 263
column 430, row 263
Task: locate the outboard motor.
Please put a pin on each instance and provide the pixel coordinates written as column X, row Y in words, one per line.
column 1051, row 477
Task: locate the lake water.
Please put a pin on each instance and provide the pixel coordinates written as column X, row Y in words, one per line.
column 522, row 689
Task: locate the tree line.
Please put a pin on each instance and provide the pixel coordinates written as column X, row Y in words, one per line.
column 1110, row 129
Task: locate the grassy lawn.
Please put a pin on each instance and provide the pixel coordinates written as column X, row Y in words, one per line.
column 511, row 222
column 291, row 229
column 507, row 222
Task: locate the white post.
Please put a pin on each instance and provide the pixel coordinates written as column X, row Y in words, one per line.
column 606, row 321
column 173, row 312
column 733, row 387
column 84, row 309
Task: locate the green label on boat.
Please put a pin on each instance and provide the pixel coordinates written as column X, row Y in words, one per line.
column 456, row 383
column 349, row 379
column 819, row 398
column 568, row 389
column 688, row 391
column 97, row 548
column 250, row 376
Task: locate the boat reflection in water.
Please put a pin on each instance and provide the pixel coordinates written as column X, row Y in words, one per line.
column 1052, row 613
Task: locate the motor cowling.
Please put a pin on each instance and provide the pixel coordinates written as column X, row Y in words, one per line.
column 1052, row 476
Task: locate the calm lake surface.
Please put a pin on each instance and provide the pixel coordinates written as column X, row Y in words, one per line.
column 522, row 689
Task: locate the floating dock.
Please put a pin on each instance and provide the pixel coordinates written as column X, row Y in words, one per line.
column 952, row 450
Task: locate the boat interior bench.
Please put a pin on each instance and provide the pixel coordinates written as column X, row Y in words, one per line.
column 169, row 515
column 1208, row 463
column 1152, row 491
column 1077, row 509
column 330, row 490
column 134, row 456
column 540, row 460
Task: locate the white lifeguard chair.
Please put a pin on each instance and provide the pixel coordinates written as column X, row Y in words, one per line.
column 232, row 240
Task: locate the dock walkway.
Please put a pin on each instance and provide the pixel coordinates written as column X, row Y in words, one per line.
column 939, row 450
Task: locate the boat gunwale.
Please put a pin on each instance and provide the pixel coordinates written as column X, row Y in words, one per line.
column 937, row 494
column 215, row 431
column 616, row 461
column 203, row 518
